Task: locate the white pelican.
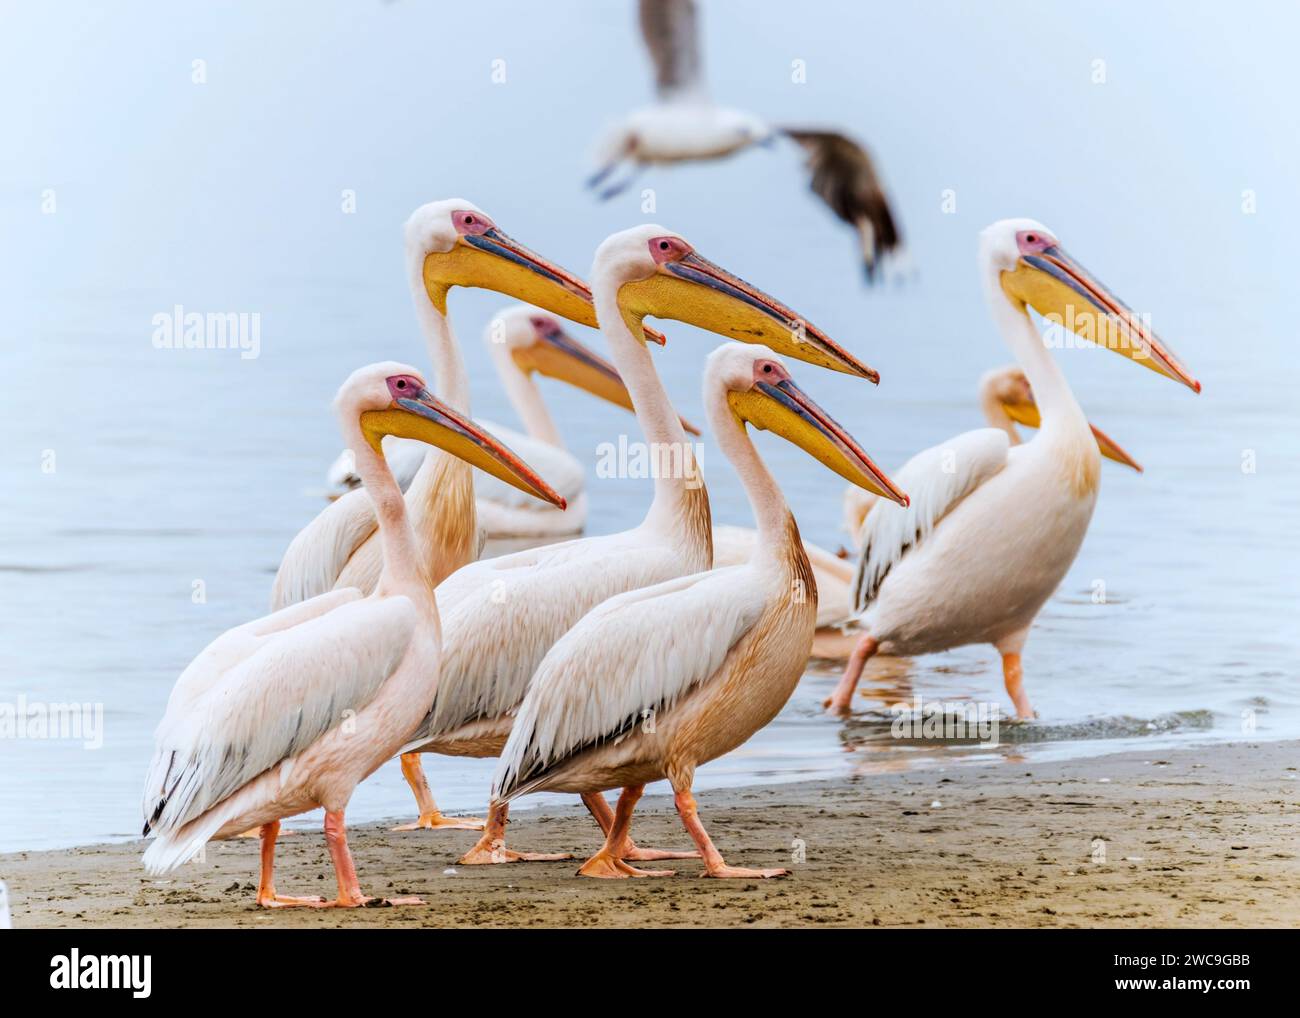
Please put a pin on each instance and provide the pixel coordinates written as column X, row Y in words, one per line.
column 733, row 546
column 524, row 341
column 1006, row 399
column 500, row 616
column 993, row 527
column 448, row 243
column 686, row 125
column 709, row 658
column 290, row 712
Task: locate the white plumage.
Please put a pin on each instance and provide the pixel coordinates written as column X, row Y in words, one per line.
column 630, row 658
column 655, row 682
column 290, row 712
column 257, row 698
column 993, row 527
column 936, row 480
column 501, row 615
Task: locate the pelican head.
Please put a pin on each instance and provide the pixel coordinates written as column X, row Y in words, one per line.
column 536, row 342
column 392, row 399
column 658, row 273
column 760, row 391
column 455, row 243
column 1033, row 270
column 1007, row 391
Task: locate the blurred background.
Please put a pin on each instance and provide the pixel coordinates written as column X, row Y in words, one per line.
column 129, row 187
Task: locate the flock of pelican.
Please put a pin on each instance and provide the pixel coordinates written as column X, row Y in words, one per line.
column 594, row 664
column 603, row 663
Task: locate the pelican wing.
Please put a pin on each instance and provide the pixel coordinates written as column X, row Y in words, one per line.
column 500, row 617
column 635, row 653
column 936, row 479
column 560, row 468
column 281, row 692
column 317, row 555
column 670, row 29
column 236, row 645
column 844, row 177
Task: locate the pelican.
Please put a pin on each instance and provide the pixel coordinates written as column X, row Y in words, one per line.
column 710, row 657
column 501, row 615
column 523, row 341
column 448, row 243
column 685, row 125
column 291, row 711
column 993, row 527
column 1006, row 399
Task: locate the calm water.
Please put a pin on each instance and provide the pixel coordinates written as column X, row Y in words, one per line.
column 171, row 468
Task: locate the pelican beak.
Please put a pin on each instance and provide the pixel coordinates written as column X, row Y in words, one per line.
column 785, row 409
column 426, row 418
column 692, row 289
column 1062, row 291
column 558, row 355
column 1112, row 449
column 1026, row 413
column 1022, row 412
column 494, row 261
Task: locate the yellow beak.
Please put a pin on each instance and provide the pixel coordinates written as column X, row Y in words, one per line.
column 1061, row 290
column 426, row 418
column 493, row 261
column 692, row 289
column 1027, row 414
column 558, row 355
column 786, row 410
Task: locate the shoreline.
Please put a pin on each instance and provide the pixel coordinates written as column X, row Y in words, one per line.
column 1190, row 837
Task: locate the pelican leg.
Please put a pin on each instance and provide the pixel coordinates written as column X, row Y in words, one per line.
column 714, row 864
column 608, row 864
column 431, row 818
column 602, row 174
column 599, row 808
column 491, row 847
column 617, row 188
column 1013, row 675
column 838, row 702
column 350, row 896
column 266, row 896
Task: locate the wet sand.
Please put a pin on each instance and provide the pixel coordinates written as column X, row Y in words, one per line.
column 1199, row 837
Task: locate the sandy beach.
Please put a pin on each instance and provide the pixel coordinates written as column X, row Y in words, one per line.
column 1198, row 837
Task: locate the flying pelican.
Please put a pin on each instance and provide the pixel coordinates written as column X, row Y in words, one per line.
column 710, row 657
column 290, row 712
column 685, row 125
column 1006, row 400
column 501, row 615
column 524, row 341
column 993, row 527
column 448, row 243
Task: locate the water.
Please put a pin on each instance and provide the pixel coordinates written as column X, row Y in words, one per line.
column 175, row 468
